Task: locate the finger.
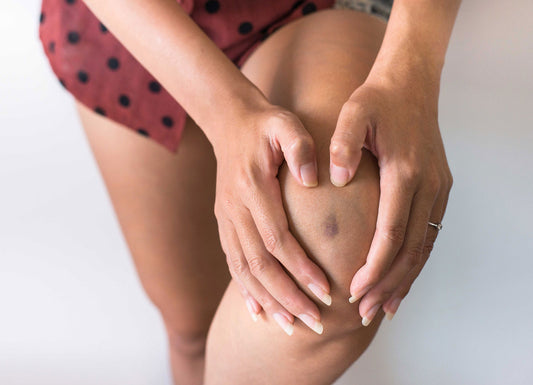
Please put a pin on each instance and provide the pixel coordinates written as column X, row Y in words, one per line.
column 267, row 211
column 391, row 305
column 271, row 275
column 234, row 250
column 263, row 297
column 346, row 144
column 409, row 256
column 290, row 136
column 396, row 194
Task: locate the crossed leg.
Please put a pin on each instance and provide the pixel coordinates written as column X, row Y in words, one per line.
column 310, row 67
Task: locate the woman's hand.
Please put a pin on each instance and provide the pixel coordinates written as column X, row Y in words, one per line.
column 397, row 122
column 252, row 223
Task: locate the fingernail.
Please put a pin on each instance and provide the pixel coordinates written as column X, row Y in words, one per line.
column 338, row 175
column 321, row 294
column 308, row 173
column 312, row 322
column 284, row 323
column 370, row 315
column 354, row 298
column 395, row 304
column 250, row 307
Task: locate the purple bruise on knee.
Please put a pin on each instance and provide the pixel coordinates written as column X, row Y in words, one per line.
column 330, row 226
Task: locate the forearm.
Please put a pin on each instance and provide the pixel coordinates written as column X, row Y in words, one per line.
column 167, row 42
column 415, row 42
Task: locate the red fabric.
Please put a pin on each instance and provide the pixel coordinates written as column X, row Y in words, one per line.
column 103, row 75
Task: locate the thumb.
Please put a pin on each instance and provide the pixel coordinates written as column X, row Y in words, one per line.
column 298, row 149
column 346, row 144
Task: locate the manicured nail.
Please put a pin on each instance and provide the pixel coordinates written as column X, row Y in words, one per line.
column 370, row 315
column 321, row 294
column 312, row 322
column 354, row 298
column 284, row 323
column 308, row 173
column 250, row 307
column 395, row 304
column 338, row 175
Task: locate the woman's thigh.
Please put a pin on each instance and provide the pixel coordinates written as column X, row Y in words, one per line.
column 310, row 67
column 164, row 206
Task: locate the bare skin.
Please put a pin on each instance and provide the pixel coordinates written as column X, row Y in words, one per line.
column 182, row 266
column 164, row 204
column 310, row 67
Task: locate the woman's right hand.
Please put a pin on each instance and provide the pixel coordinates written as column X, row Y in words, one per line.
column 252, row 223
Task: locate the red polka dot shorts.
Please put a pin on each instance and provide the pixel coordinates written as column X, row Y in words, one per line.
column 97, row 70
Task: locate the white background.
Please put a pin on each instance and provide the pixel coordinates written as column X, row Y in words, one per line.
column 71, row 307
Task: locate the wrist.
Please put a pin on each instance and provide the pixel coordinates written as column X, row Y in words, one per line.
column 230, row 114
column 415, row 77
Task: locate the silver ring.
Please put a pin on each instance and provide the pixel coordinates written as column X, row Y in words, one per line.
column 438, row 226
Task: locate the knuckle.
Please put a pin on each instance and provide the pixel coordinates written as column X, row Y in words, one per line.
column 385, row 294
column 257, row 265
column 301, row 144
column 264, row 300
column 450, row 180
column 340, row 147
column 413, row 254
column 351, row 106
column 238, row 267
column 227, row 204
column 404, row 291
column 288, row 302
column 428, row 248
column 394, row 233
column 272, row 239
column 411, row 174
column 243, row 181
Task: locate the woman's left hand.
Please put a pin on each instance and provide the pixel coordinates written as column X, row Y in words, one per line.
column 397, row 122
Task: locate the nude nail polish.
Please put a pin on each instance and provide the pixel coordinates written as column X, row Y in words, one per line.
column 312, row 322
column 284, row 323
column 321, row 294
column 308, row 174
column 370, row 315
column 394, row 305
column 338, row 175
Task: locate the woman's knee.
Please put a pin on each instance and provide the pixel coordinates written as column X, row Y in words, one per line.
column 335, row 226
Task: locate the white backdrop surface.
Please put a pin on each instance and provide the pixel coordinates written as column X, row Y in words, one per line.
column 72, row 310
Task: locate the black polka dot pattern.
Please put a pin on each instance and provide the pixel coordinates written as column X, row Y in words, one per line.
column 113, row 63
column 99, row 110
column 83, row 76
column 245, row 27
column 124, row 100
column 93, row 65
column 73, row 37
column 167, row 121
column 297, row 4
column 308, row 8
column 154, row 87
column 143, row 132
column 212, row 6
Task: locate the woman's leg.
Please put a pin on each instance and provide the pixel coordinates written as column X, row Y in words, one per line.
column 164, row 204
column 310, row 67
